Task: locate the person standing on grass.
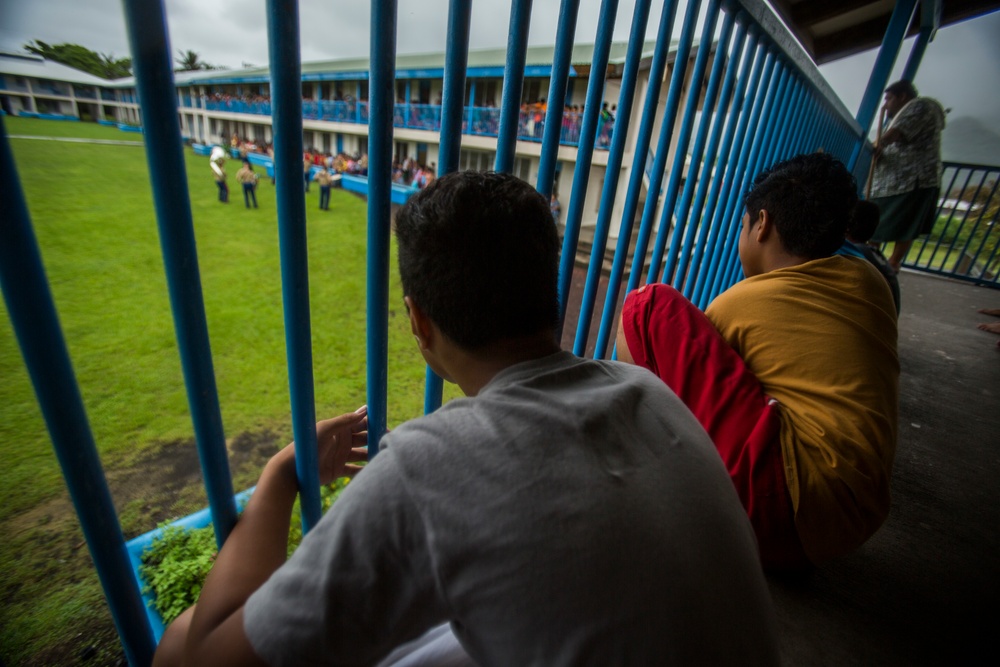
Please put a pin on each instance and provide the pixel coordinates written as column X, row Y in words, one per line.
column 568, row 511
column 248, row 178
column 307, row 164
column 324, row 180
column 217, row 160
column 907, row 178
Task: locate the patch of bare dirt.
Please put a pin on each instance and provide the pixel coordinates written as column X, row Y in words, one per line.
column 160, row 483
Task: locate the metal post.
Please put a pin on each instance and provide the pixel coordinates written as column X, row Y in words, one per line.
column 380, row 112
column 165, row 158
column 731, row 145
column 36, row 325
column 585, row 151
column 681, row 58
column 568, row 12
column 456, row 60
column 701, row 210
column 680, row 156
column 286, row 103
column 513, row 80
column 612, row 172
column 679, row 255
column 656, row 69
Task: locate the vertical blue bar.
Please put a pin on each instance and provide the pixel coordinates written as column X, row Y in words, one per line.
column 152, row 65
column 881, row 70
column 585, row 151
column 380, row 95
column 568, row 13
column 640, row 18
column 680, row 156
column 701, row 210
column 510, row 100
column 917, row 53
column 982, row 213
column 731, row 144
column 749, row 146
column 774, row 123
column 456, row 60
column 286, row 105
column 36, row 325
column 681, row 58
column 684, row 216
column 656, row 69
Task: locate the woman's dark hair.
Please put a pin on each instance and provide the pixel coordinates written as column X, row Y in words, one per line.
column 478, row 253
column 810, row 199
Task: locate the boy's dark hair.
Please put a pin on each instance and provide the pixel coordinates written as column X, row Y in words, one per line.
column 902, row 87
column 864, row 221
column 810, row 199
column 478, row 253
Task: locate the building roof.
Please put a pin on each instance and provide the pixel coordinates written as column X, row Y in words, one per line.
column 29, row 65
column 834, row 29
column 481, row 63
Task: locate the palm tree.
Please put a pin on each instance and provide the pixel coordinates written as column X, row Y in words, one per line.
column 190, row 61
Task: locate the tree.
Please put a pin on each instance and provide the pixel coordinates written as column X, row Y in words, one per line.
column 190, row 61
column 105, row 66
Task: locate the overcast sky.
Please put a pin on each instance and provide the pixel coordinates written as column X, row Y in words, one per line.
column 961, row 67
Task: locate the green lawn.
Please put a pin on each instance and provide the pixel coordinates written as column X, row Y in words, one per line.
column 92, row 211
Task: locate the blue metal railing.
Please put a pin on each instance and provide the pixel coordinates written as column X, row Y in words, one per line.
column 965, row 241
column 747, row 98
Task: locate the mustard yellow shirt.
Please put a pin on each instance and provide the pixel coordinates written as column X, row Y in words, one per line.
column 821, row 337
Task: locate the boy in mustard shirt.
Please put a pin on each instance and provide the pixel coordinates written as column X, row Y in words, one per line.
column 792, row 371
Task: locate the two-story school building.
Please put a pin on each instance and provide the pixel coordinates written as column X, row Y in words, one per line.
column 213, row 105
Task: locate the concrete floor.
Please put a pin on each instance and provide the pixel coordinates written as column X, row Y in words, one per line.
column 925, row 589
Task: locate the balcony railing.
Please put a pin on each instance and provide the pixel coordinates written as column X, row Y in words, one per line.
column 476, row 121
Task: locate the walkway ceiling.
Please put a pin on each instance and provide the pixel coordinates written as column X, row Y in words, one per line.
column 832, row 29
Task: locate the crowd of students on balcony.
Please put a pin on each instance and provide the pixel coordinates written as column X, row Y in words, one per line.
column 477, row 120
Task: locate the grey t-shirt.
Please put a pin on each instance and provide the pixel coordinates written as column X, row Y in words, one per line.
column 574, row 512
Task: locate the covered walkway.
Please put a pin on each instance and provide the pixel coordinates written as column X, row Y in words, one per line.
column 925, row 589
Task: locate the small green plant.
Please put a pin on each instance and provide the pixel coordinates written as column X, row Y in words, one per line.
column 175, row 565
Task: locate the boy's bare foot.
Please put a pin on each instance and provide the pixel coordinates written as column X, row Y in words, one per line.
column 990, row 311
column 992, row 327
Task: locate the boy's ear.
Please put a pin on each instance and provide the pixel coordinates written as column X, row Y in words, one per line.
column 765, row 226
column 420, row 325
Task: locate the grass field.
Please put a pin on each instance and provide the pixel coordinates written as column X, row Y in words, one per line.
column 92, row 212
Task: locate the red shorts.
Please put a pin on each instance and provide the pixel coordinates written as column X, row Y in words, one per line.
column 667, row 334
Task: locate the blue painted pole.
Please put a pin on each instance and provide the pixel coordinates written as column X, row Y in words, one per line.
column 456, row 60
column 678, row 255
column 879, row 78
column 558, row 83
column 657, row 66
column 286, row 105
column 513, row 80
column 153, row 67
column 702, row 208
column 731, row 144
column 917, row 53
column 681, row 58
column 36, row 325
column 380, row 94
column 626, row 94
column 749, row 145
column 585, row 152
column 681, row 154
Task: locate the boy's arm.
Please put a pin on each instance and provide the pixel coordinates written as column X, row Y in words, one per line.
column 257, row 546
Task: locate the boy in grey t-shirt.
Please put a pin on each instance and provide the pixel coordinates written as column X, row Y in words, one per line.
column 567, row 512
